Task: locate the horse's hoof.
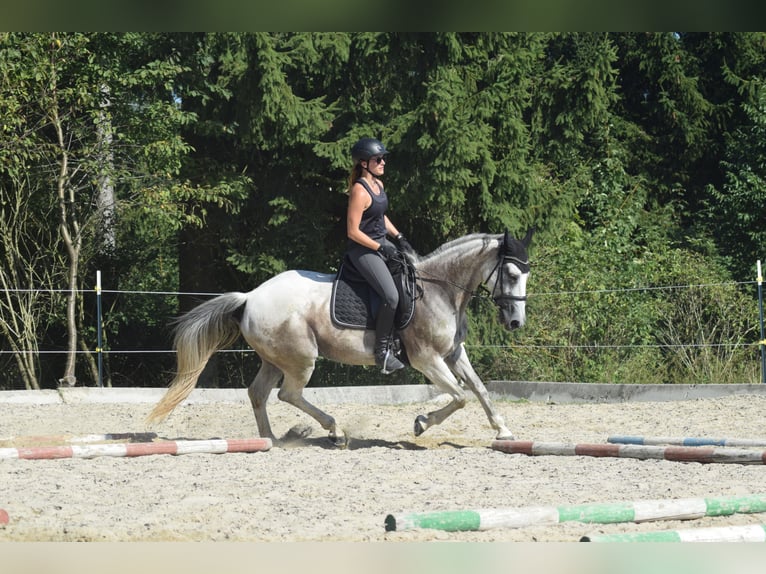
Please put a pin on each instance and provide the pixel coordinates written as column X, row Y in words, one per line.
column 508, row 436
column 420, row 425
column 339, row 441
column 298, row 432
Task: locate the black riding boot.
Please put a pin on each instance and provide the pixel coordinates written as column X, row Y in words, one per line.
column 384, row 356
column 384, row 352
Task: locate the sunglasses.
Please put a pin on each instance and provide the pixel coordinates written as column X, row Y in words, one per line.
column 378, row 158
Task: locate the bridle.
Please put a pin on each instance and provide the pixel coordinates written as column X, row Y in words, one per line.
column 506, row 254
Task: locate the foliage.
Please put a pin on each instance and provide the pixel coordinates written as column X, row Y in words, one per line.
column 637, row 156
column 89, row 108
column 659, row 316
column 738, row 209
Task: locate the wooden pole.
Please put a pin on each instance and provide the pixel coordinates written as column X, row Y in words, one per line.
column 686, row 441
column 49, row 440
column 677, row 453
column 749, row 533
column 214, row 446
column 610, row 513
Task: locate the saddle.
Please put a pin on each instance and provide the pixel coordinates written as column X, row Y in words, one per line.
column 354, row 304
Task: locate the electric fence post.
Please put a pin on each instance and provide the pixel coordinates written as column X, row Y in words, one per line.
column 762, row 342
column 98, row 330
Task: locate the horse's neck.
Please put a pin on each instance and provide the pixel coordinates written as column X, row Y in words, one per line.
column 464, row 263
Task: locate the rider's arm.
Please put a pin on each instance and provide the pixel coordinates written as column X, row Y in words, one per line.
column 390, row 227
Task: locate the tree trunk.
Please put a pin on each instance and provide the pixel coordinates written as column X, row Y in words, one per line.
column 70, row 234
column 105, row 200
column 91, row 362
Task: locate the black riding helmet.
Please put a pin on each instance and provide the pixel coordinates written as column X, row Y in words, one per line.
column 365, row 148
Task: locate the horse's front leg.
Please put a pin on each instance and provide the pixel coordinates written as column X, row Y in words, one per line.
column 462, row 367
column 441, row 376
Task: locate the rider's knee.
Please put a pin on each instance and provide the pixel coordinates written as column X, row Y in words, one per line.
column 391, row 299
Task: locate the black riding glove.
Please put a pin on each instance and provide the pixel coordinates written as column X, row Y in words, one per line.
column 387, row 251
column 404, row 245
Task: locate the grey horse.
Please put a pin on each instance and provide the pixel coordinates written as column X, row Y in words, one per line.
column 286, row 320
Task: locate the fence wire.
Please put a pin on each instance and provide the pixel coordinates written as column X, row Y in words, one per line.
column 591, row 346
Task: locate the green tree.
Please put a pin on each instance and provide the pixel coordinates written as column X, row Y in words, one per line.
column 201, row 163
column 92, row 107
column 738, row 207
column 639, row 171
column 662, row 97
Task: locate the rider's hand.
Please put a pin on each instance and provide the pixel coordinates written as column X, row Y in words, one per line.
column 404, row 245
column 387, row 251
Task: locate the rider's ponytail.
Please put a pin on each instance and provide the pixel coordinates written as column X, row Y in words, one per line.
column 356, row 173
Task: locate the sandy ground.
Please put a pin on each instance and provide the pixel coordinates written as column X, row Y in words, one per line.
column 309, row 491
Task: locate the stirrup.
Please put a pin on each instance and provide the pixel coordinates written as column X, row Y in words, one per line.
column 390, row 363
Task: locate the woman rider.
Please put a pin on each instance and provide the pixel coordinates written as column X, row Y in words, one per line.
column 369, row 248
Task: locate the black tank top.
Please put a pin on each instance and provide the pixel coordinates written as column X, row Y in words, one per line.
column 372, row 224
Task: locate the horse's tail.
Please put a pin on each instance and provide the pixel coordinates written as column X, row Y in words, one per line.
column 199, row 333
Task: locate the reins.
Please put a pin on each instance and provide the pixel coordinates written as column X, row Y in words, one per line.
column 503, row 257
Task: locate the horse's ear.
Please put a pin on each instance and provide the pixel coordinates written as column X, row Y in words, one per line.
column 528, row 236
column 506, row 239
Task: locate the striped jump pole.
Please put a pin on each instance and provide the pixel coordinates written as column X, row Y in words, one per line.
column 686, row 441
column 675, row 453
column 748, row 533
column 71, row 439
column 177, row 447
column 3, row 517
column 638, row 511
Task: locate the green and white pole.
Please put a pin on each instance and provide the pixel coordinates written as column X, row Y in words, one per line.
column 637, row 511
column 749, row 533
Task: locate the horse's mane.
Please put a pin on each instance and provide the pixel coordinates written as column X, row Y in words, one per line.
column 457, row 244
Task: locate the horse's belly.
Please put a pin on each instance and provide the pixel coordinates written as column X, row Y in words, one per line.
column 349, row 346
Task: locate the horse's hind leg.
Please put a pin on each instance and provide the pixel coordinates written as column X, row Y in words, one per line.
column 292, row 392
column 267, row 378
column 462, row 367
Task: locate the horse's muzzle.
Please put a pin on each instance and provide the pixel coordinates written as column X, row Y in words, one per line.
column 513, row 318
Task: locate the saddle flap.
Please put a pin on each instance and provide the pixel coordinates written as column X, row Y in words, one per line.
column 351, row 301
column 354, row 304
